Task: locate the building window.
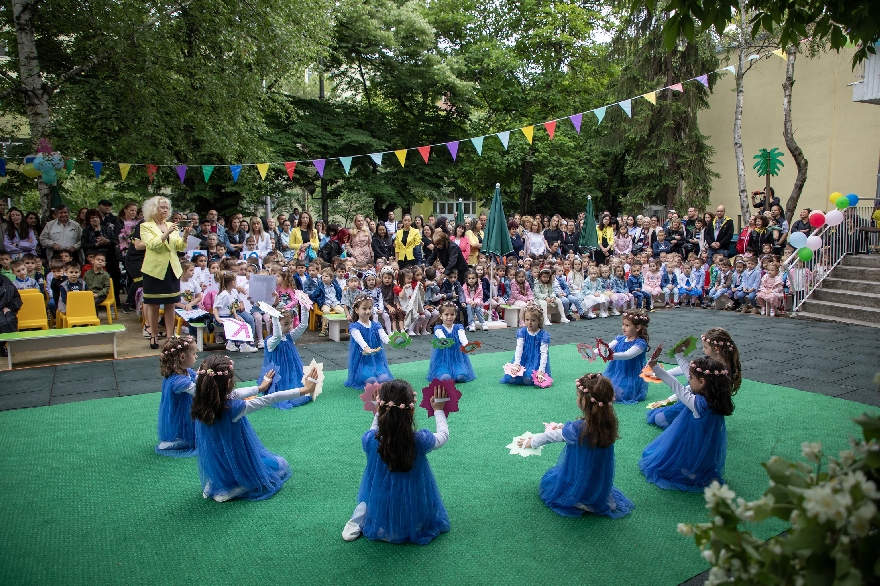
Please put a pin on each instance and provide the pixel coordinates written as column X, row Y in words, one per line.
column 447, row 208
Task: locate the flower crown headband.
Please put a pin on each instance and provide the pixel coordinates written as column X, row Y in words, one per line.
column 716, row 342
column 210, row 372
column 184, row 342
column 586, row 391
column 532, row 306
column 390, row 404
column 636, row 318
column 707, row 371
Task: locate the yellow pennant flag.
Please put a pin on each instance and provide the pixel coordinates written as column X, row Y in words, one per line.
column 123, row 169
column 651, row 97
column 262, row 168
column 401, row 156
column 780, row 53
column 529, row 131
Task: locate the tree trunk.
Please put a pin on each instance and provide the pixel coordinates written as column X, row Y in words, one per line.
column 745, row 210
column 788, row 133
column 527, row 180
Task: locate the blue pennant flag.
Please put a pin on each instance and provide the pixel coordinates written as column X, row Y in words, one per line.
column 97, row 166
column 235, row 170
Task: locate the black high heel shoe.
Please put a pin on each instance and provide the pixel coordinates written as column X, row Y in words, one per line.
column 154, row 343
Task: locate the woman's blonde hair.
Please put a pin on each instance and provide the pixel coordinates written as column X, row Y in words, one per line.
column 151, row 207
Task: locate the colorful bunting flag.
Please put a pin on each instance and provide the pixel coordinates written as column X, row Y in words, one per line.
column 206, row 171
column 401, row 156
column 97, row 166
column 576, row 121
column 377, row 158
column 346, row 163
column 529, row 131
column 235, row 170
column 151, row 171
column 478, row 144
column 291, row 167
column 181, row 172
column 676, row 87
column 425, row 151
column 703, row 79
column 262, row 168
column 550, row 127
column 780, row 53
column 651, row 97
column 730, row 68
column 319, row 165
column 600, row 113
column 123, row 170
column 626, row 106
column 504, row 137
column 453, row 148
column 753, row 57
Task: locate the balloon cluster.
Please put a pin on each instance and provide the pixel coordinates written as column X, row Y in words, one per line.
column 805, row 245
column 45, row 163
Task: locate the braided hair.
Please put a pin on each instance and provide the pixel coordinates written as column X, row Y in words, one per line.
column 216, row 380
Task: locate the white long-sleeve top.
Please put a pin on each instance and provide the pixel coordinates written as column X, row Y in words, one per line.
column 359, row 339
column 277, row 337
column 442, row 435
column 548, row 437
column 627, row 355
column 683, row 368
column 442, row 332
column 520, row 344
column 261, row 402
column 683, row 393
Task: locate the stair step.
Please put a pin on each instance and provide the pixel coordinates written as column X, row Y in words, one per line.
column 833, row 318
column 850, row 285
column 856, row 273
column 864, row 315
column 857, row 298
column 862, row 260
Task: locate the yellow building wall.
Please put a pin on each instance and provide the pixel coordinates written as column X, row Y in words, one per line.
column 426, row 208
column 840, row 138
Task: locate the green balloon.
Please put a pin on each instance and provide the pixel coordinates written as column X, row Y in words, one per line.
column 842, row 203
column 805, row 254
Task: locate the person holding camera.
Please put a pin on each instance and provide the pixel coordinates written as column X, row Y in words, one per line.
column 774, row 201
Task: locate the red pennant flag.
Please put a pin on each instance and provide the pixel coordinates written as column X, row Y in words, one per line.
column 290, row 166
column 550, row 127
column 151, row 171
column 425, row 151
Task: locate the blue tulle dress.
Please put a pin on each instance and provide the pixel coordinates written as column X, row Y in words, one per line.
column 177, row 436
column 363, row 367
column 663, row 417
column 288, row 367
column 583, row 480
column 690, row 454
column 531, row 356
column 450, row 362
column 402, row 507
column 232, row 460
column 629, row 387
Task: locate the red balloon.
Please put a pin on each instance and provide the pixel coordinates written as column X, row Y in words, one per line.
column 817, row 219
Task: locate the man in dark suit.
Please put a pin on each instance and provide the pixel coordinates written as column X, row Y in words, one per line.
column 720, row 233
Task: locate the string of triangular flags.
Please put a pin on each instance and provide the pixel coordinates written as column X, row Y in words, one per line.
column 425, row 150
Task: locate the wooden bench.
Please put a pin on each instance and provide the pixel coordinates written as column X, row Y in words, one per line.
column 61, row 338
column 337, row 324
column 511, row 315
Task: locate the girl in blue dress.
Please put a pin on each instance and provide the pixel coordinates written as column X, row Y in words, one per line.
column 366, row 357
column 628, row 358
column 282, row 357
column 177, row 436
column 450, row 362
column 583, row 478
column 233, row 463
column 532, row 347
column 690, row 454
column 717, row 344
column 398, row 500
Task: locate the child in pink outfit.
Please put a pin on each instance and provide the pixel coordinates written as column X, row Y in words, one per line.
column 770, row 293
column 520, row 292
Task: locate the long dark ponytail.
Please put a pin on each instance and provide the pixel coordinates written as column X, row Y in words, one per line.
column 216, row 379
column 396, row 435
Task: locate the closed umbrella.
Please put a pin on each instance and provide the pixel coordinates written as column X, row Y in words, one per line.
column 496, row 239
column 589, row 239
column 459, row 213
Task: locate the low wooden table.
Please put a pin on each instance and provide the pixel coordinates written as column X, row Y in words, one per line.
column 61, row 338
column 511, row 315
column 337, row 323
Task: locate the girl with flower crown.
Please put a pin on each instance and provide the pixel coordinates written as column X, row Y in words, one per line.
column 398, row 500
column 233, row 463
column 628, row 358
column 177, row 436
column 532, row 347
column 583, row 478
column 690, row 454
column 450, row 362
column 366, row 357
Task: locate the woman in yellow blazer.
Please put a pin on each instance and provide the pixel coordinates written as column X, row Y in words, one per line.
column 161, row 269
column 304, row 232
column 605, row 233
column 405, row 241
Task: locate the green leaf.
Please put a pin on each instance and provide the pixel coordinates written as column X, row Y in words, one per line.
column 870, row 426
column 687, row 27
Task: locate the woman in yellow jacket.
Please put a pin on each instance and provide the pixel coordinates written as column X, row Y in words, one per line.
column 304, row 233
column 605, row 233
column 161, row 269
column 405, row 241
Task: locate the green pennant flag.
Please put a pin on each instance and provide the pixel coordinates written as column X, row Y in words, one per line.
column 206, row 171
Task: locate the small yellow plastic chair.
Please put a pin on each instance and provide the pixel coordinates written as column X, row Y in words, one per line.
column 108, row 303
column 32, row 315
column 80, row 310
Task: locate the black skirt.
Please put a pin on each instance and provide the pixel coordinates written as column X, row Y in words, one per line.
column 162, row 291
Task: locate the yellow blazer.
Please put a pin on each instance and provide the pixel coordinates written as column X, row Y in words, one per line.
column 296, row 240
column 609, row 234
column 159, row 254
column 406, row 251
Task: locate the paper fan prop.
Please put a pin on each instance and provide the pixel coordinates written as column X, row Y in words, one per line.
column 319, row 386
column 442, row 343
column 541, row 379
column 647, row 374
column 603, row 350
column 689, row 343
column 524, row 452
column 513, row 370
column 663, row 403
column 268, row 309
column 399, row 340
column 471, row 347
column 450, row 404
column 303, row 298
column 587, row 351
column 367, row 396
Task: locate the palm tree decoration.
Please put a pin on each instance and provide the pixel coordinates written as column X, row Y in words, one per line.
column 767, row 165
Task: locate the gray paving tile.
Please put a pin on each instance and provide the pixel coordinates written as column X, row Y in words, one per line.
column 816, row 386
column 84, row 371
column 35, row 398
column 60, row 400
column 27, row 375
column 139, row 387
column 84, row 386
column 820, row 374
column 863, row 396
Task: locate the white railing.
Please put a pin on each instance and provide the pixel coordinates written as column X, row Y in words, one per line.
column 837, row 242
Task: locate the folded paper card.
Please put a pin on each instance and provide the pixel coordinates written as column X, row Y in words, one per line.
column 319, row 386
column 367, row 397
column 237, row 331
column 513, row 370
column 524, row 452
column 689, row 343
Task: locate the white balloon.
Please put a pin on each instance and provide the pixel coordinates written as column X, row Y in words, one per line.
column 814, row 243
column 834, row 217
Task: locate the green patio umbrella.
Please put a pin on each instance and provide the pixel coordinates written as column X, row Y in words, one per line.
column 589, row 237
column 496, row 238
column 459, row 212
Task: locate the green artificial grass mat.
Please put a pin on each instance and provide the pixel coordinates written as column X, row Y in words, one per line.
column 87, row 501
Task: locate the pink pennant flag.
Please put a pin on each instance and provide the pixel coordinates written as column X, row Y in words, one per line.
column 181, row 172
column 676, row 87
column 291, row 167
column 453, row 148
column 425, row 151
column 319, row 165
column 550, row 127
column 576, row 121
column 703, row 79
